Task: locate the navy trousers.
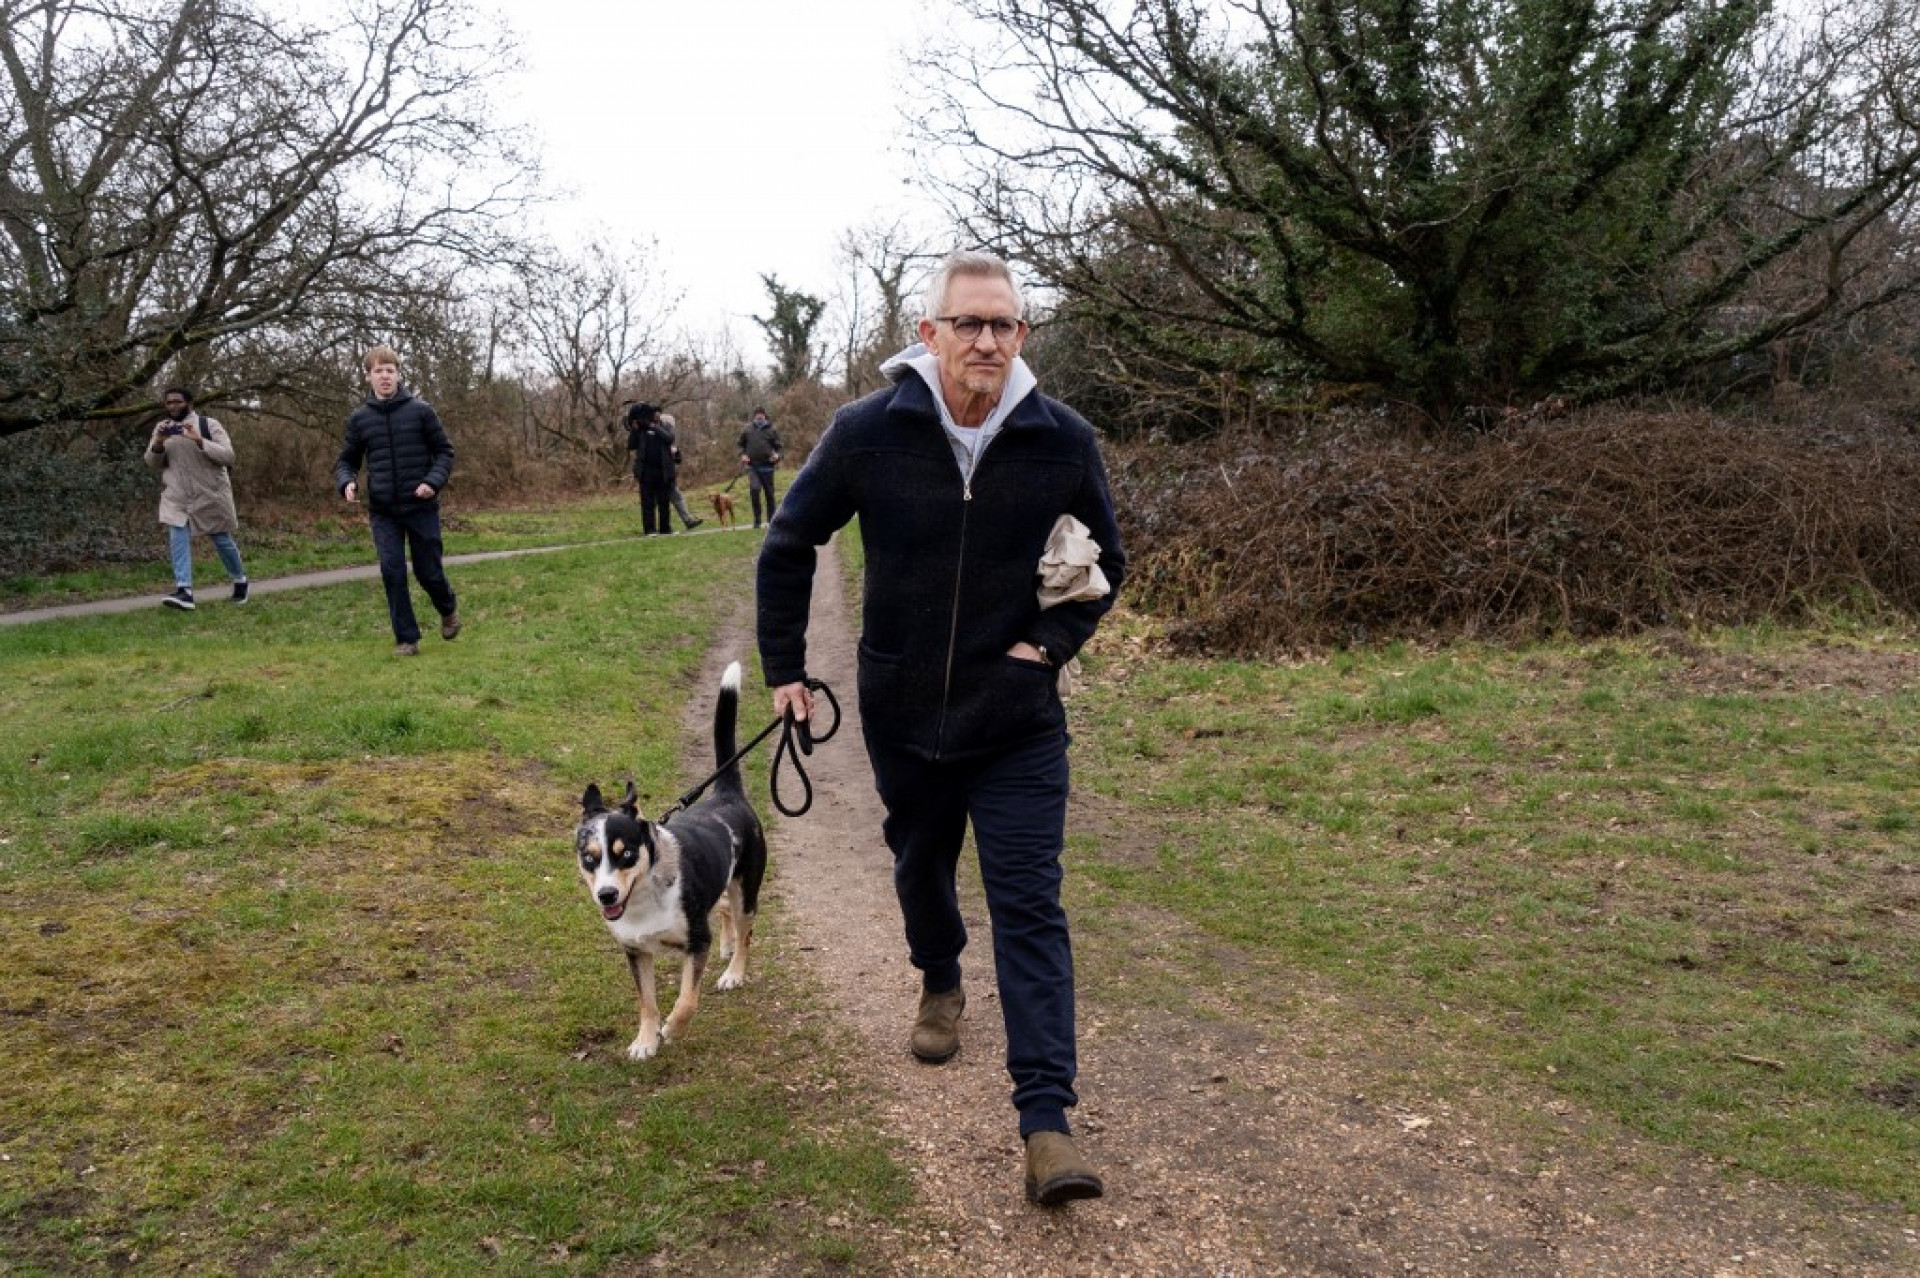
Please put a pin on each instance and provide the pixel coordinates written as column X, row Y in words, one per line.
column 395, row 535
column 1017, row 803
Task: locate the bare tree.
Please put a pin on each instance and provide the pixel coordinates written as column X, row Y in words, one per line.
column 1454, row 204
column 886, row 264
column 209, row 177
column 589, row 327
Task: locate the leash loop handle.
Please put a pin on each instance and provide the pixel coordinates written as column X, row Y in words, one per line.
column 802, row 729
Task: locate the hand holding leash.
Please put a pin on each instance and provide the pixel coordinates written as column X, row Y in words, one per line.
column 802, row 726
column 786, row 697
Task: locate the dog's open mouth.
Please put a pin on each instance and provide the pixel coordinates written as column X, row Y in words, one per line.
column 614, row 911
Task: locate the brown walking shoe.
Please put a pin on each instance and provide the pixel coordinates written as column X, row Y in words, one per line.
column 936, row 1029
column 1056, row 1173
column 450, row 626
column 406, row 650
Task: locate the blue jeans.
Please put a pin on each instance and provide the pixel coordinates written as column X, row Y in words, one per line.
column 1017, row 802
column 395, row 534
column 180, row 547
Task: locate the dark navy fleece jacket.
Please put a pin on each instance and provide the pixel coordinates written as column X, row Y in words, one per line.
column 403, row 444
column 950, row 567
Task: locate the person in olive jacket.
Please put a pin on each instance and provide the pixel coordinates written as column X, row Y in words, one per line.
column 408, row 459
column 759, row 454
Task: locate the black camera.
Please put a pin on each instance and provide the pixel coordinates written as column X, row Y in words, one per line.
column 173, row 428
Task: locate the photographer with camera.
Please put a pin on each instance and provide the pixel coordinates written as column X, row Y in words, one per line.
column 193, row 455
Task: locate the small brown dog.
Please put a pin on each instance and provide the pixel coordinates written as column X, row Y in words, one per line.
column 722, row 508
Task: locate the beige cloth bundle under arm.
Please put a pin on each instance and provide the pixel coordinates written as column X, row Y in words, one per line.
column 1069, row 573
column 1070, row 565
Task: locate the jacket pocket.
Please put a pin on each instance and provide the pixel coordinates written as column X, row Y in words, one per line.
column 886, row 699
column 1009, row 700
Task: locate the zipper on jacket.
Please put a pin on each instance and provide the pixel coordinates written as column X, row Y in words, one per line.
column 959, row 574
column 953, row 619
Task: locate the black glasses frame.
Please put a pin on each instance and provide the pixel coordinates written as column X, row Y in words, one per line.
column 969, row 327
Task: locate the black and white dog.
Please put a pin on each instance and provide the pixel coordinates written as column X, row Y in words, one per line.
column 656, row 883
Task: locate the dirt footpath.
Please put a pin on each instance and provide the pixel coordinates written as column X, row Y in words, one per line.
column 1232, row 1147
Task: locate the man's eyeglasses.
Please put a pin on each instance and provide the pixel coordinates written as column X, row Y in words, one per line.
column 969, row 327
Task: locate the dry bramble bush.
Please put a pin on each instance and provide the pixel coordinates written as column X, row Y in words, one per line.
column 1604, row 521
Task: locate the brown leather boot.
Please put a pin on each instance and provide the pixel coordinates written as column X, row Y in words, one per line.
column 936, row 1030
column 1056, row 1173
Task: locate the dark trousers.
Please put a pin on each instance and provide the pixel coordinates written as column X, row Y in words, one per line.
column 760, row 478
column 1017, row 803
column 395, row 535
column 655, row 495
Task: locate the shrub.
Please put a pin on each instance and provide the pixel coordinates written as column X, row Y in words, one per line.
column 87, row 499
column 1608, row 521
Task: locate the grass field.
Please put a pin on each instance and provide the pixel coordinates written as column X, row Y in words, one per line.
column 339, row 539
column 1675, row 880
column 295, row 974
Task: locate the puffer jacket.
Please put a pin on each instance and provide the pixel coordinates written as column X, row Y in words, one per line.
column 195, row 489
column 403, row 444
column 951, row 567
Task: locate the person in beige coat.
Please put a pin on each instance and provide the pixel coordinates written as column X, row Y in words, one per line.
column 192, row 453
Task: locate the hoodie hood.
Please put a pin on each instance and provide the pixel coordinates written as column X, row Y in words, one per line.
column 917, row 359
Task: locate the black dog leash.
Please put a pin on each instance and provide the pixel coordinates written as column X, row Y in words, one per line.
column 803, row 729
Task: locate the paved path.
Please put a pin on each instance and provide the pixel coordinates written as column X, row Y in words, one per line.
column 299, row 581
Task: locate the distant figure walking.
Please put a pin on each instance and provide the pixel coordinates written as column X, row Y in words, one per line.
column 409, row 460
column 651, row 443
column 193, row 455
column 687, row 517
column 760, row 453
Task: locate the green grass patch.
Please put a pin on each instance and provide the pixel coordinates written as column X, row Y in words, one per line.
column 298, row 975
column 336, row 540
column 1679, row 887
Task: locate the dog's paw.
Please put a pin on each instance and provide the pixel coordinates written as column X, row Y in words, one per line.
column 644, row 1047
column 730, row 980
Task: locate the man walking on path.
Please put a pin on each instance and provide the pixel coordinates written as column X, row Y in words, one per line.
column 194, row 457
column 408, row 459
column 961, row 474
column 760, row 453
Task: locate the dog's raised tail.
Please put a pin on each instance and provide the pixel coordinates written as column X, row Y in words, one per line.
column 726, row 720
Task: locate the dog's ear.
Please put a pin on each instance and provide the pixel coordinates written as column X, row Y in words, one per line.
column 591, row 804
column 631, row 803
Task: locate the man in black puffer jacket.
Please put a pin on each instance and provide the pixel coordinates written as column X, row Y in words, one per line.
column 959, row 474
column 408, row 459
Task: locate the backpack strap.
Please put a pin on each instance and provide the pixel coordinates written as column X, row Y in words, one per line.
column 200, row 420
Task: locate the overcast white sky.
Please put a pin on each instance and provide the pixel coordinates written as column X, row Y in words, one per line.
column 741, row 135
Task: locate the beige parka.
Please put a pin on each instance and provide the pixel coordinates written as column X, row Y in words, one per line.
column 194, row 487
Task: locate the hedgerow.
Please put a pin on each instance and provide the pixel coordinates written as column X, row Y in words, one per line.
column 1603, row 522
